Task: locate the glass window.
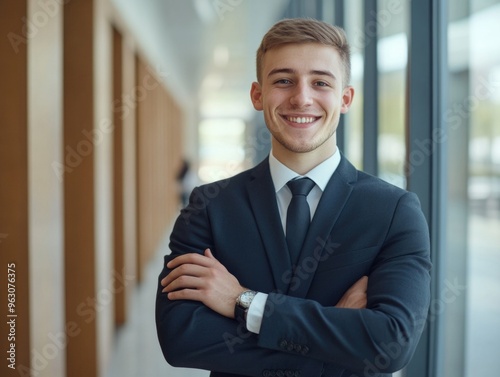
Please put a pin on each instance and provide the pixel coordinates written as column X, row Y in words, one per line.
column 353, row 124
column 392, row 52
column 472, row 272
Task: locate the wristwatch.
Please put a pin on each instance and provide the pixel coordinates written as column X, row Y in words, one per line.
column 242, row 304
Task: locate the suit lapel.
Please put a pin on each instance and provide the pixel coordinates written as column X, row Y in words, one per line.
column 318, row 243
column 265, row 209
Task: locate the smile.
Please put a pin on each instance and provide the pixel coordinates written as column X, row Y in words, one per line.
column 301, row 120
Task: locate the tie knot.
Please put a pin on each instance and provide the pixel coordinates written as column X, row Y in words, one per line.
column 300, row 186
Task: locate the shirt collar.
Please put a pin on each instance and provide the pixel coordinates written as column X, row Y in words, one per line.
column 321, row 174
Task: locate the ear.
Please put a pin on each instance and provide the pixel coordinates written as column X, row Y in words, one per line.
column 347, row 97
column 256, row 96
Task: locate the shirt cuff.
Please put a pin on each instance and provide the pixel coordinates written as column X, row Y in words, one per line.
column 256, row 312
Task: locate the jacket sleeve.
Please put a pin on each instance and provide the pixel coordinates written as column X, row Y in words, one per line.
column 299, row 335
column 381, row 338
column 192, row 335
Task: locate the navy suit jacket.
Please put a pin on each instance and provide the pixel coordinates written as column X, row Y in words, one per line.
column 362, row 226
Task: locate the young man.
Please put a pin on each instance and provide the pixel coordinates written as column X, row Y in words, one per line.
column 250, row 291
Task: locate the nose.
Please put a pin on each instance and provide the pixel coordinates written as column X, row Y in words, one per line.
column 301, row 95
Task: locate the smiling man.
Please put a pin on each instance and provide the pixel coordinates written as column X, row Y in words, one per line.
column 302, row 95
column 303, row 265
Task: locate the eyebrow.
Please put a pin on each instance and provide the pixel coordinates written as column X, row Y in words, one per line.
column 292, row 71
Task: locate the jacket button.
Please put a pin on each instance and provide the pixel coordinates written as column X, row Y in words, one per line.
column 280, row 373
column 283, row 344
column 304, row 350
column 297, row 347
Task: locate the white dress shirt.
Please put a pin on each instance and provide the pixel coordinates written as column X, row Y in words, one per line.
column 280, row 175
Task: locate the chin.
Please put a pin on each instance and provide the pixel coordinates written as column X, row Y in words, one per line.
column 298, row 147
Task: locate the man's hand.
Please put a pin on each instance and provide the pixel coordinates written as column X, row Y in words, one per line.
column 202, row 278
column 355, row 297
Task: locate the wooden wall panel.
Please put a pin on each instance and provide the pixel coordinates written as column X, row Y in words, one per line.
column 48, row 213
column 14, row 185
column 79, row 198
column 129, row 168
column 159, row 152
column 118, row 178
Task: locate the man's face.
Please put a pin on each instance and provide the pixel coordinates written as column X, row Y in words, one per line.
column 302, row 96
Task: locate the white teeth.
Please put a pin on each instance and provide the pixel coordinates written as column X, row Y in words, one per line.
column 301, row 119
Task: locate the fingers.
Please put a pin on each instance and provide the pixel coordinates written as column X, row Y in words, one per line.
column 355, row 296
column 186, row 294
column 359, row 287
column 206, row 259
column 361, row 284
column 191, row 258
column 183, row 270
column 185, row 266
column 183, row 282
column 208, row 254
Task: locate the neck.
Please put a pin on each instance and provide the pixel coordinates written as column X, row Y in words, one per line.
column 302, row 163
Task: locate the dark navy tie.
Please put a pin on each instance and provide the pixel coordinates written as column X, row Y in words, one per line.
column 298, row 216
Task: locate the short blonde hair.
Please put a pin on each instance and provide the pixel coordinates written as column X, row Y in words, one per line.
column 306, row 30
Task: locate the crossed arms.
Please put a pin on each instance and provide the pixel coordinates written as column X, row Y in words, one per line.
column 203, row 278
column 196, row 297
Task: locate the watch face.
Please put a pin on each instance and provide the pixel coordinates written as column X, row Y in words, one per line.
column 246, row 298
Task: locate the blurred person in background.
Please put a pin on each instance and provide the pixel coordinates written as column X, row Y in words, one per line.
column 187, row 180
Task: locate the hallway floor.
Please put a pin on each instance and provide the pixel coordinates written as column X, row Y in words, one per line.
column 137, row 352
